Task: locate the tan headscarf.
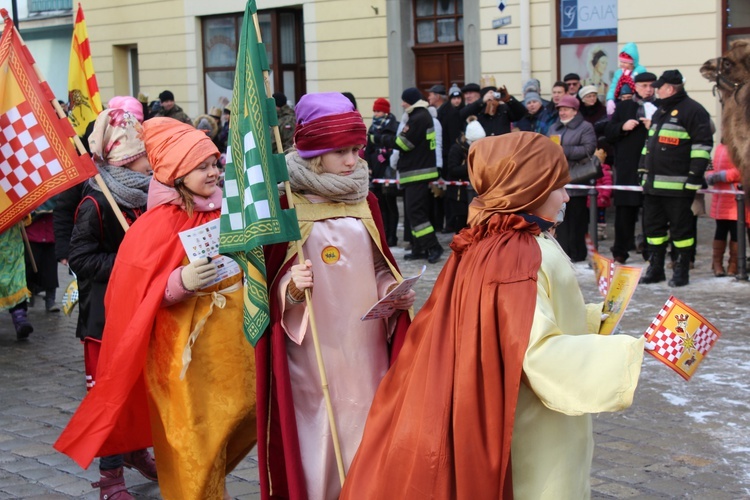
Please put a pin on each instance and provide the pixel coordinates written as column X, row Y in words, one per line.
column 174, row 148
column 514, row 173
column 115, row 140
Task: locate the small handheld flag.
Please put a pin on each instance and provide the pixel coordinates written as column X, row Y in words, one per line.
column 680, row 337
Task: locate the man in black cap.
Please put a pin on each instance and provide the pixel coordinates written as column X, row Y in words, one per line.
column 573, row 82
column 627, row 133
column 495, row 111
column 287, row 122
column 417, row 167
column 171, row 110
column 674, row 159
column 471, row 93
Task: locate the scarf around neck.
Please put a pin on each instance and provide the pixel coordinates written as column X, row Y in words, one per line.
column 129, row 188
column 348, row 189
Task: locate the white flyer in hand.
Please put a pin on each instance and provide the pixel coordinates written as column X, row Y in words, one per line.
column 203, row 241
column 649, row 109
column 384, row 307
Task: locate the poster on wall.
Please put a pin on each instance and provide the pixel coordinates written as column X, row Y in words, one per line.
column 582, row 18
column 595, row 63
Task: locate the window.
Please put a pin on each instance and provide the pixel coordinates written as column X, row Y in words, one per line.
column 438, row 21
column 279, row 28
column 736, row 21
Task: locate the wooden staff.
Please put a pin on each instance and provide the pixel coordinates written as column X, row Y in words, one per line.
column 82, row 150
column 308, row 298
column 28, row 246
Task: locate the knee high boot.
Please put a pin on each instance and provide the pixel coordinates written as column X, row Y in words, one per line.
column 732, row 264
column 717, row 264
column 21, row 323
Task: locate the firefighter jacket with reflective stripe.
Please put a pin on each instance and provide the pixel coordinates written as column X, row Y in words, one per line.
column 678, row 147
column 416, row 145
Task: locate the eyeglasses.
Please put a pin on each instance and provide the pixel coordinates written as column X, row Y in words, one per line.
column 573, row 84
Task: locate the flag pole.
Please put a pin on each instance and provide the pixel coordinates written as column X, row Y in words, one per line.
column 79, row 146
column 27, row 243
column 308, row 297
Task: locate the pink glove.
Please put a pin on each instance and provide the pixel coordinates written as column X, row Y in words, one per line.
column 610, row 107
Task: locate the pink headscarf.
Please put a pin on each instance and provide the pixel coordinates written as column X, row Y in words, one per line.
column 127, row 103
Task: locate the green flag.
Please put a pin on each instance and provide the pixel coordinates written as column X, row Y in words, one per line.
column 250, row 212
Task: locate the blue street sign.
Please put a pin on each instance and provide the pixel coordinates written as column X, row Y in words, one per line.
column 502, row 39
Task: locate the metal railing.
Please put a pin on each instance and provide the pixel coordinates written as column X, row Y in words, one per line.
column 47, row 5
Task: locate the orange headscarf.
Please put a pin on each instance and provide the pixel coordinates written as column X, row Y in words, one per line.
column 174, row 148
column 514, row 173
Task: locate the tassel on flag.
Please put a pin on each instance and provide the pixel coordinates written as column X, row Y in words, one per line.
column 681, row 337
column 251, row 215
column 83, row 91
column 37, row 157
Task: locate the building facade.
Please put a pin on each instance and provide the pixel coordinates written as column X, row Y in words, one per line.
column 379, row 47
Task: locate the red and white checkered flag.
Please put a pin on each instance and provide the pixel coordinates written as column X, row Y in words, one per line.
column 37, row 157
column 680, row 337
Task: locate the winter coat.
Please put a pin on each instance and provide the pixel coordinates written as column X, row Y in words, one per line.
column 177, row 113
column 450, row 119
column 539, row 123
column 603, row 196
column 377, row 157
column 578, row 141
column 632, row 50
column 416, row 144
column 63, row 218
column 96, row 237
column 287, row 123
column 628, row 146
column 724, row 206
column 499, row 123
column 678, row 147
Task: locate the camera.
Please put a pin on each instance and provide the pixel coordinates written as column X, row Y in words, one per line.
column 498, row 96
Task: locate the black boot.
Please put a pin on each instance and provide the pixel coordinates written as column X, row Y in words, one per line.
column 681, row 270
column 433, row 255
column 655, row 271
column 49, row 301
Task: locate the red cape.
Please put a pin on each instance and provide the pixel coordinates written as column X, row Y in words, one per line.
column 279, row 460
column 441, row 423
column 113, row 417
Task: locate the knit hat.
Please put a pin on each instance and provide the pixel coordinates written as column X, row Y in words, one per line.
column 532, row 85
column 280, row 99
column 474, row 131
column 532, row 96
column 114, row 139
column 568, row 101
column 327, row 121
column 166, row 96
column 625, row 57
column 625, row 90
column 588, row 89
column 454, row 91
column 127, row 103
column 382, row 105
column 411, row 96
column 174, row 148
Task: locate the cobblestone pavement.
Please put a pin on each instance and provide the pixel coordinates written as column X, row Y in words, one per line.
column 678, row 440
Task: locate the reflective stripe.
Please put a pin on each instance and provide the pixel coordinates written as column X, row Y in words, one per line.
column 644, row 151
column 403, row 143
column 418, row 233
column 672, row 126
column 684, row 243
column 651, row 132
column 674, row 186
column 692, row 187
column 658, row 240
column 682, row 179
column 432, row 137
column 699, row 153
column 705, row 147
column 417, row 175
column 674, row 133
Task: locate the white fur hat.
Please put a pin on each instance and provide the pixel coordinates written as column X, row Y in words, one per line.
column 474, row 131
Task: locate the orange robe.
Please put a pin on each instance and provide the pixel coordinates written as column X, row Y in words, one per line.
column 441, row 423
column 143, row 343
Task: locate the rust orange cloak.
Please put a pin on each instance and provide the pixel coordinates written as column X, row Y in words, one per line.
column 441, row 424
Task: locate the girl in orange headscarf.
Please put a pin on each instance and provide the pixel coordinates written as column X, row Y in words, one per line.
column 167, row 318
column 502, row 366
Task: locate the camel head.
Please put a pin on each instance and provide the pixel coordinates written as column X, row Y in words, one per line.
column 730, row 70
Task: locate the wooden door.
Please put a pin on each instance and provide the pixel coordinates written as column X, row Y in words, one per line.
column 443, row 64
